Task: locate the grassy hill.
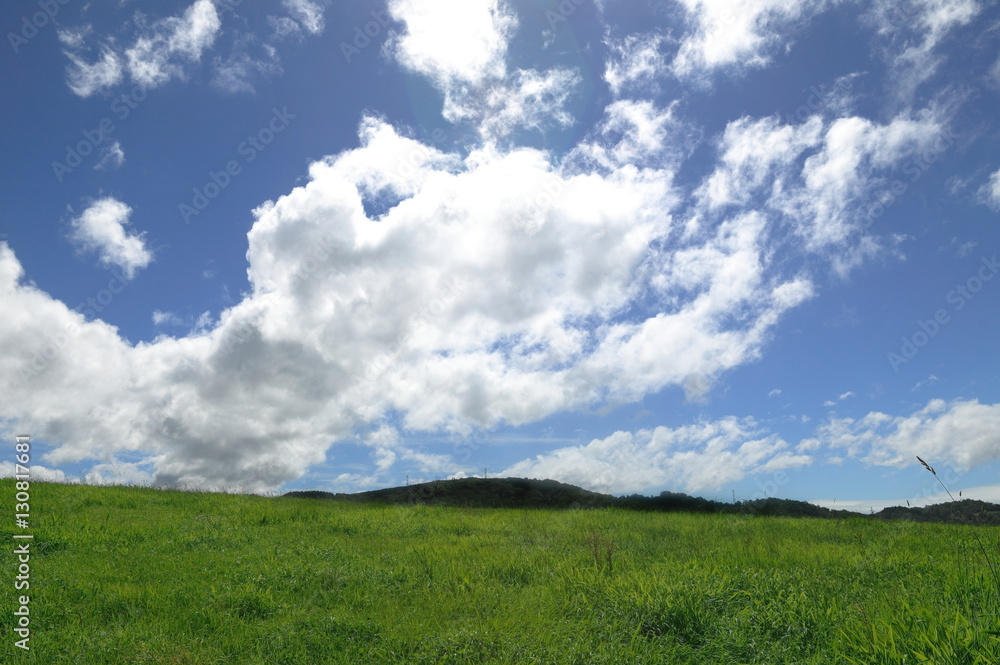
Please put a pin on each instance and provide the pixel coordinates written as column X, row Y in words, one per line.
column 527, row 493
column 139, row 575
column 479, row 493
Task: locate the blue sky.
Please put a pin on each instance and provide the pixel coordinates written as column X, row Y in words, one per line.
column 730, row 249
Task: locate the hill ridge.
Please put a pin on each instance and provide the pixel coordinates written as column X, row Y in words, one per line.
column 531, row 493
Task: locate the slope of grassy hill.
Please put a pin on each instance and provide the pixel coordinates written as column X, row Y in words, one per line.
column 138, row 575
column 480, row 493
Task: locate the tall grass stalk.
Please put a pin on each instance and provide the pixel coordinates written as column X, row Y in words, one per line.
column 982, row 546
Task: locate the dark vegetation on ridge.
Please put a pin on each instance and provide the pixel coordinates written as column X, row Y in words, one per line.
column 526, row 493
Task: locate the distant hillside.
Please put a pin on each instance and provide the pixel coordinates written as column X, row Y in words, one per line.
column 527, row 493
column 968, row 511
column 480, row 493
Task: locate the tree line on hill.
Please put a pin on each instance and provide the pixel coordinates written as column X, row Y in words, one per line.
column 528, row 493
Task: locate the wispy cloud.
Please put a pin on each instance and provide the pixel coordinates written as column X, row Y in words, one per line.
column 308, row 14
column 989, row 193
column 636, row 62
column 911, row 32
column 158, row 55
column 112, row 157
column 86, row 78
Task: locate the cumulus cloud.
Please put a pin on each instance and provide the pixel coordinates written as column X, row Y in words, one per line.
column 465, row 305
column 400, row 282
column 38, row 472
column 962, row 433
column 700, row 457
column 454, row 42
column 726, row 34
column 461, row 46
column 102, row 227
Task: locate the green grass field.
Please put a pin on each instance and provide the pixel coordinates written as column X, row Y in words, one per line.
column 136, row 575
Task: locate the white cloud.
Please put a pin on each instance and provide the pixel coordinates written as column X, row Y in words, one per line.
column 308, row 14
column 466, row 304
column 578, row 283
column 74, row 39
column 389, row 447
column 929, row 495
column 38, row 472
column 726, row 34
column 119, row 473
column 841, row 398
column 636, row 61
column 695, row 458
column 237, row 72
column 166, row 319
column 774, row 393
column 461, row 46
column 912, row 30
column 636, row 134
column 989, row 193
column 112, row 157
column 157, row 56
column 102, row 227
column 284, row 27
column 84, row 79
column 530, row 100
column 454, row 42
column 820, row 178
column 960, row 433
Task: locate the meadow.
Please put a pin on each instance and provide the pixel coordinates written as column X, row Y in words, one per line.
column 140, row 575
